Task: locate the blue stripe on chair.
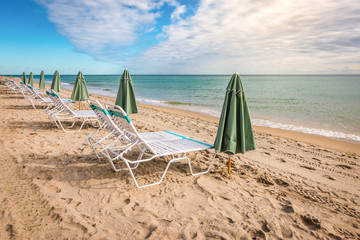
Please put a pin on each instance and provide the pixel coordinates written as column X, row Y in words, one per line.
column 183, row 137
column 190, row 139
column 206, row 144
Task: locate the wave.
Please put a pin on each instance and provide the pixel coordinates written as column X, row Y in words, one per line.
column 314, row 131
column 150, row 101
column 178, row 103
column 210, row 112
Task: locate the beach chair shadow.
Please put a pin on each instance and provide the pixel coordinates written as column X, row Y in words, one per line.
column 11, row 97
column 79, row 168
column 33, row 125
column 68, row 168
column 19, row 107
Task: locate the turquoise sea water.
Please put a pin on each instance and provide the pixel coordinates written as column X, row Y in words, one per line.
column 326, row 105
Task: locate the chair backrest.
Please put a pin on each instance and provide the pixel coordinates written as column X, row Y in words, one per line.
column 124, row 123
column 60, row 103
column 24, row 88
column 53, row 99
column 10, row 83
column 104, row 116
column 35, row 93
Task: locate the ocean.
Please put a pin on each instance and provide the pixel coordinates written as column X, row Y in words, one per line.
column 326, row 105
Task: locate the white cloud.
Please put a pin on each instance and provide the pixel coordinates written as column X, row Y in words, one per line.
column 274, row 36
column 94, row 26
column 270, row 36
column 176, row 15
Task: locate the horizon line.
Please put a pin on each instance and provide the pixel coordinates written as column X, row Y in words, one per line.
column 208, row 74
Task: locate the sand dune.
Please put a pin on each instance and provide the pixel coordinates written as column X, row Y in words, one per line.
column 53, row 186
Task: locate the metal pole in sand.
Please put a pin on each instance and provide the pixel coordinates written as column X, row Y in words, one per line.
column 229, row 167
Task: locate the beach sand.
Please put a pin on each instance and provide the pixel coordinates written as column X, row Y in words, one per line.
column 294, row 186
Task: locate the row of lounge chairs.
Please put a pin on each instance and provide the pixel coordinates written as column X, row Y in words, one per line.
column 116, row 138
column 56, row 108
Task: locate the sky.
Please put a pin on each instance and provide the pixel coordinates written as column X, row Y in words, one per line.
column 180, row 36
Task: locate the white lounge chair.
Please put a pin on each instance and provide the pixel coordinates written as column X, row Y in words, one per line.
column 14, row 87
column 65, row 113
column 39, row 97
column 106, row 134
column 149, row 150
column 55, row 108
column 110, row 136
column 27, row 93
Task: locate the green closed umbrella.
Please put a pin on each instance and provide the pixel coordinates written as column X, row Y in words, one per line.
column 56, row 82
column 23, row 77
column 235, row 133
column 31, row 79
column 126, row 96
column 42, row 80
column 80, row 92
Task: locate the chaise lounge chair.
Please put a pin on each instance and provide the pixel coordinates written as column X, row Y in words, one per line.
column 146, row 150
column 111, row 135
column 65, row 113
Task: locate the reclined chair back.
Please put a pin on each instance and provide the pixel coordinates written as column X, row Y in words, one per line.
column 35, row 93
column 104, row 116
column 124, row 123
column 59, row 102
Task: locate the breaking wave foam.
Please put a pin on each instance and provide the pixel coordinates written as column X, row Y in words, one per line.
column 321, row 132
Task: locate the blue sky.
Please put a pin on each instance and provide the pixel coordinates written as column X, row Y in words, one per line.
column 180, row 37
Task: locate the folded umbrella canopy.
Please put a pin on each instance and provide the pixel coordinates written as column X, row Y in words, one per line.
column 80, row 92
column 23, row 77
column 56, row 82
column 235, row 133
column 31, row 79
column 126, row 96
column 42, row 80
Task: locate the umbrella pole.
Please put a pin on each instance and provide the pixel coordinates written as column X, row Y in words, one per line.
column 79, row 105
column 229, row 167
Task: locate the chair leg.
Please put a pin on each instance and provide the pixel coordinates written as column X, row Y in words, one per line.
column 92, row 142
column 32, row 103
column 162, row 177
column 85, row 120
column 200, row 173
column 60, row 124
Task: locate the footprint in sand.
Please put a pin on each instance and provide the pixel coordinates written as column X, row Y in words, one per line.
column 287, row 208
column 329, row 177
column 257, row 234
column 311, row 222
column 281, row 182
column 308, row 167
column 264, row 180
column 343, row 166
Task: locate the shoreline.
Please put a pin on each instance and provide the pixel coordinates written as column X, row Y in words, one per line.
column 331, row 129
column 307, row 127
column 318, row 140
column 325, row 142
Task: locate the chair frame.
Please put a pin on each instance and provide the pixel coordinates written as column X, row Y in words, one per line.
column 14, row 87
column 163, row 147
column 66, row 113
column 107, row 125
column 119, row 141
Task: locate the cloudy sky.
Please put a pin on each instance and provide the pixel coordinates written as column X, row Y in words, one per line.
column 181, row 36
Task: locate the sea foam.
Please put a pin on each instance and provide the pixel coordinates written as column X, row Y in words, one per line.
column 321, row 132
